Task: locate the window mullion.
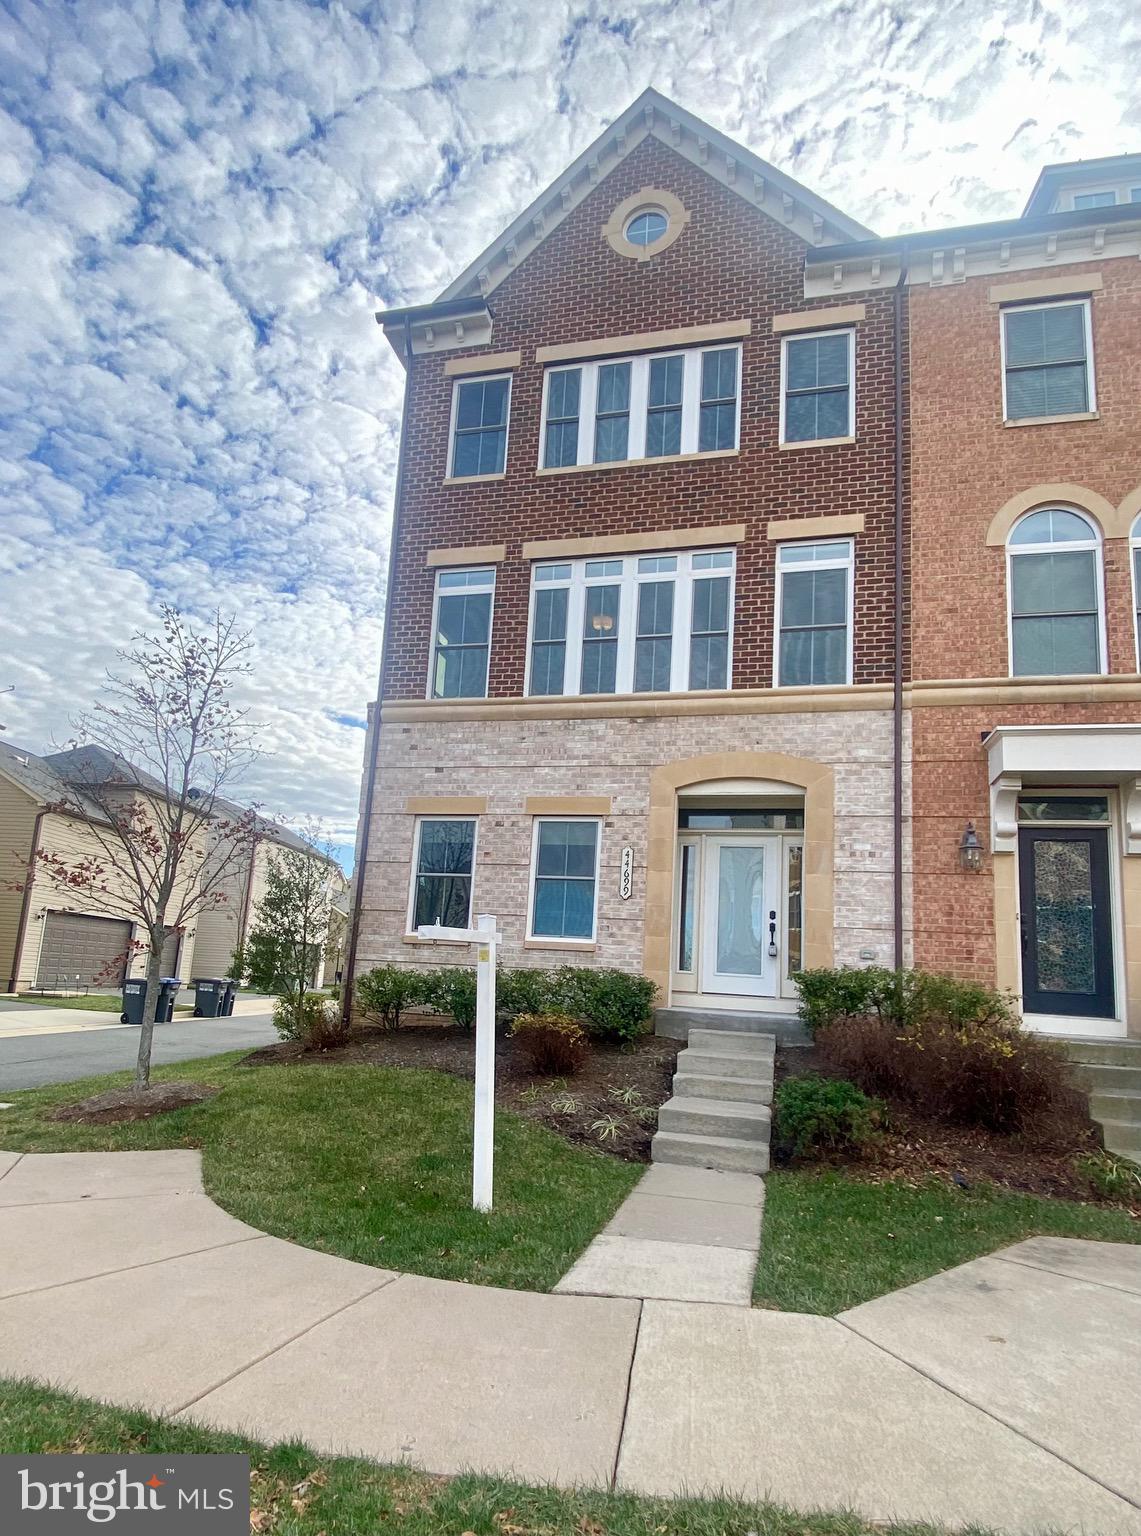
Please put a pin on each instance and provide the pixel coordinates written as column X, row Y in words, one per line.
column 627, row 625
column 691, row 401
column 682, row 638
column 587, row 402
column 576, row 604
column 639, row 395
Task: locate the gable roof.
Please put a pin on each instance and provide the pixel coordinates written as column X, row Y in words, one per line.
column 653, row 115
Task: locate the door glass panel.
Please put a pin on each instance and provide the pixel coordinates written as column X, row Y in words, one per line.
column 1063, row 916
column 740, row 911
column 793, row 929
column 687, row 907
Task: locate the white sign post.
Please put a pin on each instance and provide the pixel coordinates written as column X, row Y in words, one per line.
column 484, row 934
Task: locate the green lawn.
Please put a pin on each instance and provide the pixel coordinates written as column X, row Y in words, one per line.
column 93, row 1002
column 367, row 1162
column 831, row 1242
column 302, row 1494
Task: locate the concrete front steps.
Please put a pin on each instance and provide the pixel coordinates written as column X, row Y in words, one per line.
column 680, row 1023
column 1110, row 1071
column 719, row 1116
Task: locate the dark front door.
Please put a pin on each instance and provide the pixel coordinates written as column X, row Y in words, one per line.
column 1067, row 936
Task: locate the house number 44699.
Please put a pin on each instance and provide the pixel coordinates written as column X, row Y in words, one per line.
column 626, row 878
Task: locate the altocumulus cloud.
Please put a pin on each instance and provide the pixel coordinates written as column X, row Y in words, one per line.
column 201, row 205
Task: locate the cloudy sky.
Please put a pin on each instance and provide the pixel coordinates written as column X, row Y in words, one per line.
column 201, row 205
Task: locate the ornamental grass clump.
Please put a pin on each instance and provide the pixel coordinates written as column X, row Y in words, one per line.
column 553, row 1044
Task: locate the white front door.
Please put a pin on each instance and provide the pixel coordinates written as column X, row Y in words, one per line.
column 741, row 916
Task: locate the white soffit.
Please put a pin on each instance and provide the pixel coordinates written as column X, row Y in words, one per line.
column 759, row 184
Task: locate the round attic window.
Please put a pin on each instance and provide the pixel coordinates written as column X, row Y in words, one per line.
column 647, row 227
column 645, row 224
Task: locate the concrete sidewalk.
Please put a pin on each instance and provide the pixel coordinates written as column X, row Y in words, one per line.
column 1005, row 1393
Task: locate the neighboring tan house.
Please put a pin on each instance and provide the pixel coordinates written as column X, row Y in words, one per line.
column 49, row 939
column 729, row 536
column 222, row 929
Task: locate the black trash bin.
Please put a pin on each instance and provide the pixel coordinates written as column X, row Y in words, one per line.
column 133, row 994
column 136, row 990
column 231, row 993
column 209, row 997
column 168, row 989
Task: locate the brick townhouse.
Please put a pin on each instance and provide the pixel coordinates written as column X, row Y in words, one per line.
column 1025, row 480
column 641, row 645
column 647, row 690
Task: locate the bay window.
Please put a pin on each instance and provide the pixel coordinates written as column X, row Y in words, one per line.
column 632, row 624
column 649, row 407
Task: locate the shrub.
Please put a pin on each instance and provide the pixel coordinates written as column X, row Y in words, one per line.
column 312, row 1018
column 896, row 997
column 553, row 1044
column 526, row 989
column 987, row 1072
column 387, row 990
column 824, row 1114
column 1113, row 1178
column 451, row 989
column 613, row 1004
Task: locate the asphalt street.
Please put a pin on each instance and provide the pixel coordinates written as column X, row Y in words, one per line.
column 29, row 1061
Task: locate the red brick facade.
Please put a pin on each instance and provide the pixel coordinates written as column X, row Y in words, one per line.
column 966, row 466
column 732, row 262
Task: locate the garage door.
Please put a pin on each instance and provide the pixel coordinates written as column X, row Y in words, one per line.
column 90, row 948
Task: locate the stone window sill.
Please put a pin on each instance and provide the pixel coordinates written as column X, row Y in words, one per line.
column 576, row 946
column 1053, row 421
column 474, row 479
column 819, row 442
column 665, row 458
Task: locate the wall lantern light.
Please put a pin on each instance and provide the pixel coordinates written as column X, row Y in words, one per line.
column 970, row 850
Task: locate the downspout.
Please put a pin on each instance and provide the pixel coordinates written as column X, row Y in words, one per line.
column 898, row 596
column 26, row 903
column 373, row 736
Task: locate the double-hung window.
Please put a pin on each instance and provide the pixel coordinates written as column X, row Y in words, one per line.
column 1047, row 356
column 461, row 634
column 632, row 624
column 442, row 873
column 818, row 393
column 814, row 614
column 564, row 879
column 479, row 426
column 1055, row 582
column 653, row 406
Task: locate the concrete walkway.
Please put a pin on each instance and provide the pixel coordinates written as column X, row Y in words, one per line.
column 683, row 1234
column 1005, row 1393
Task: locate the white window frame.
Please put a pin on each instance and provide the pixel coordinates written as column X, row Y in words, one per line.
column 410, row 914
column 1134, row 545
column 457, row 385
column 811, row 335
column 628, row 581
column 1094, row 192
column 548, row 939
column 837, row 563
column 489, row 587
column 639, row 399
column 1087, row 323
column 1096, row 543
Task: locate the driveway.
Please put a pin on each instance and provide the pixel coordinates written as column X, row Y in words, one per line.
column 1005, row 1393
column 41, row 1045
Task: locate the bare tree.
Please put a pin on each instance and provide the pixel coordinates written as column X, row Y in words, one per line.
column 148, row 768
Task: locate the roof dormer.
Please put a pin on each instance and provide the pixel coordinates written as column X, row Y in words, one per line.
column 1076, row 185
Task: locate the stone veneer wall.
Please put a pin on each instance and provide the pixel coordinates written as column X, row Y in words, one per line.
column 508, row 760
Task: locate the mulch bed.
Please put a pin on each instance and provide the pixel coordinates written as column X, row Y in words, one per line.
column 915, row 1148
column 572, row 1106
column 119, row 1105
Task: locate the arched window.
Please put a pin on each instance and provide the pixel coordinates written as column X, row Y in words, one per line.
column 1054, row 582
column 1135, row 557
